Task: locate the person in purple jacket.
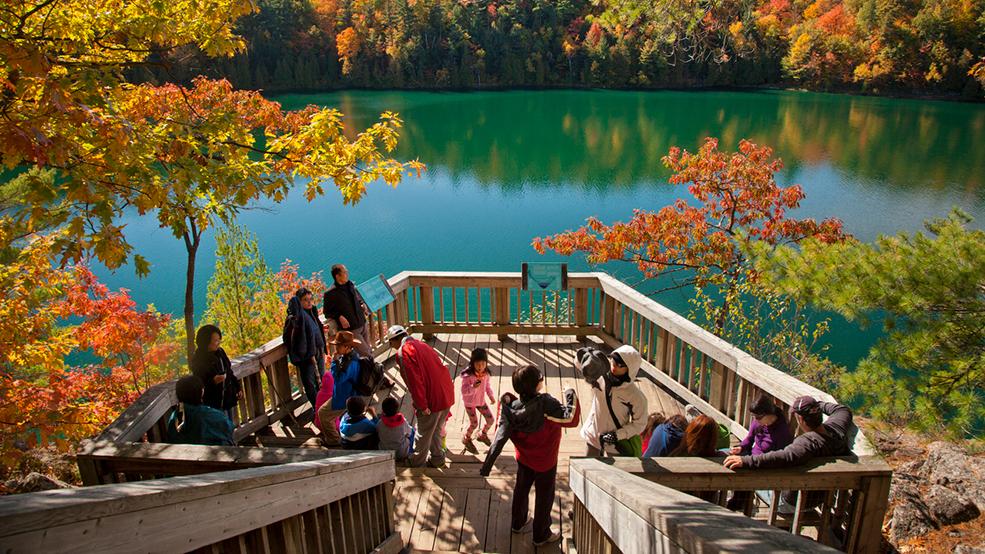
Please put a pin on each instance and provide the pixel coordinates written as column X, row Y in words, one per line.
column 769, row 431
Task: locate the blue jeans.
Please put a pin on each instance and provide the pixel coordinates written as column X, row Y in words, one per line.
column 311, row 373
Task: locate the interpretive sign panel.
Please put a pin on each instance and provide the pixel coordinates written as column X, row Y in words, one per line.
column 544, row 276
column 376, row 292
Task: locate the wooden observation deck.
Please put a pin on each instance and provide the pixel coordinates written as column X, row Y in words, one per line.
column 280, row 491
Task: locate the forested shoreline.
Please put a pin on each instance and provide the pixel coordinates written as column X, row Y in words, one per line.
column 891, row 47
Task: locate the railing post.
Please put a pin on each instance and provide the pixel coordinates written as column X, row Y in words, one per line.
column 502, row 309
column 866, row 536
column 581, row 310
column 609, row 315
column 427, row 309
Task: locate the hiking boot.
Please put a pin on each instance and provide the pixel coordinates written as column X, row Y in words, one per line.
column 553, row 538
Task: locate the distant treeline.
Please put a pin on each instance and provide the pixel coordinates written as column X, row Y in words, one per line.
column 879, row 46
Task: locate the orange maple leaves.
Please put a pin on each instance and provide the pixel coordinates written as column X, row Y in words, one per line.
column 119, row 350
column 735, row 199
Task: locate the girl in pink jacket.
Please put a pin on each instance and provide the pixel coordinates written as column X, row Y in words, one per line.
column 476, row 386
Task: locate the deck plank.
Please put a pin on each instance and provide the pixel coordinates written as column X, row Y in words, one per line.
column 407, row 499
column 426, row 523
column 476, row 520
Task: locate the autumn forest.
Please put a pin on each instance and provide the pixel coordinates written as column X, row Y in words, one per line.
column 924, row 47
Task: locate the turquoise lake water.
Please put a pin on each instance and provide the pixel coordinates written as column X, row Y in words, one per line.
column 504, row 167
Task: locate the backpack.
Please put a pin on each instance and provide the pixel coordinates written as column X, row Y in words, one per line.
column 292, row 326
column 370, row 376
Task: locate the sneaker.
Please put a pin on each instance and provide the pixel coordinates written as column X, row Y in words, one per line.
column 553, row 538
column 691, row 411
column 436, row 464
column 526, row 528
column 484, row 438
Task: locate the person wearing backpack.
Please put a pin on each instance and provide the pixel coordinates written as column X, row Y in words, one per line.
column 304, row 336
column 619, row 411
column 346, row 369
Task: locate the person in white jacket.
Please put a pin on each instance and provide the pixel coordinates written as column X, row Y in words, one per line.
column 619, row 410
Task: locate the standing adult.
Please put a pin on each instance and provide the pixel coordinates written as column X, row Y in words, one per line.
column 430, row 386
column 304, row 336
column 619, row 410
column 210, row 363
column 343, row 304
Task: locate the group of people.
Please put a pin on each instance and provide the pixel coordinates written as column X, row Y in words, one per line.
column 617, row 424
column 210, row 394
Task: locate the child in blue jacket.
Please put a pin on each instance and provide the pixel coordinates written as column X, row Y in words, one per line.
column 358, row 427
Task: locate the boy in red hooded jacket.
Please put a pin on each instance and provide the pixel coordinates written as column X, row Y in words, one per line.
column 533, row 422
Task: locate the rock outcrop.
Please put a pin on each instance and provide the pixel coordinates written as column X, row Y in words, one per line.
column 34, row 482
column 945, row 488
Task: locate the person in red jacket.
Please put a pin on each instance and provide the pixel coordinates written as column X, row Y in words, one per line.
column 431, row 388
column 533, row 422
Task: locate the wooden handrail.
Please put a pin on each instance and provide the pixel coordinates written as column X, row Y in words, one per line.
column 616, row 509
column 849, row 494
column 317, row 506
column 708, row 474
column 107, row 462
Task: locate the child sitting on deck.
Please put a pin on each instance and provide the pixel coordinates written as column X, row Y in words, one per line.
column 358, row 427
column 476, row 386
column 201, row 424
column 533, row 422
column 394, row 431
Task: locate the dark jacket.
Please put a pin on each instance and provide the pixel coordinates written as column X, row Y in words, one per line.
column 304, row 333
column 663, row 441
column 534, row 426
column 344, row 300
column 202, row 425
column 206, row 365
column 833, row 442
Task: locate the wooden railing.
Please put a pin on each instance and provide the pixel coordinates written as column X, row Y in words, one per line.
column 617, row 512
column 835, row 497
column 129, row 462
column 495, row 303
column 337, row 505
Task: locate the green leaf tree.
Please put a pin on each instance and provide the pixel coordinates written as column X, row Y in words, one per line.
column 242, row 293
column 927, row 290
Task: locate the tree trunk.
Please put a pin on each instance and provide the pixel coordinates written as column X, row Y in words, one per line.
column 192, row 238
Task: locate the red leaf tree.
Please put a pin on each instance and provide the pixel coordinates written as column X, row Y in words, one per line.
column 735, row 201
